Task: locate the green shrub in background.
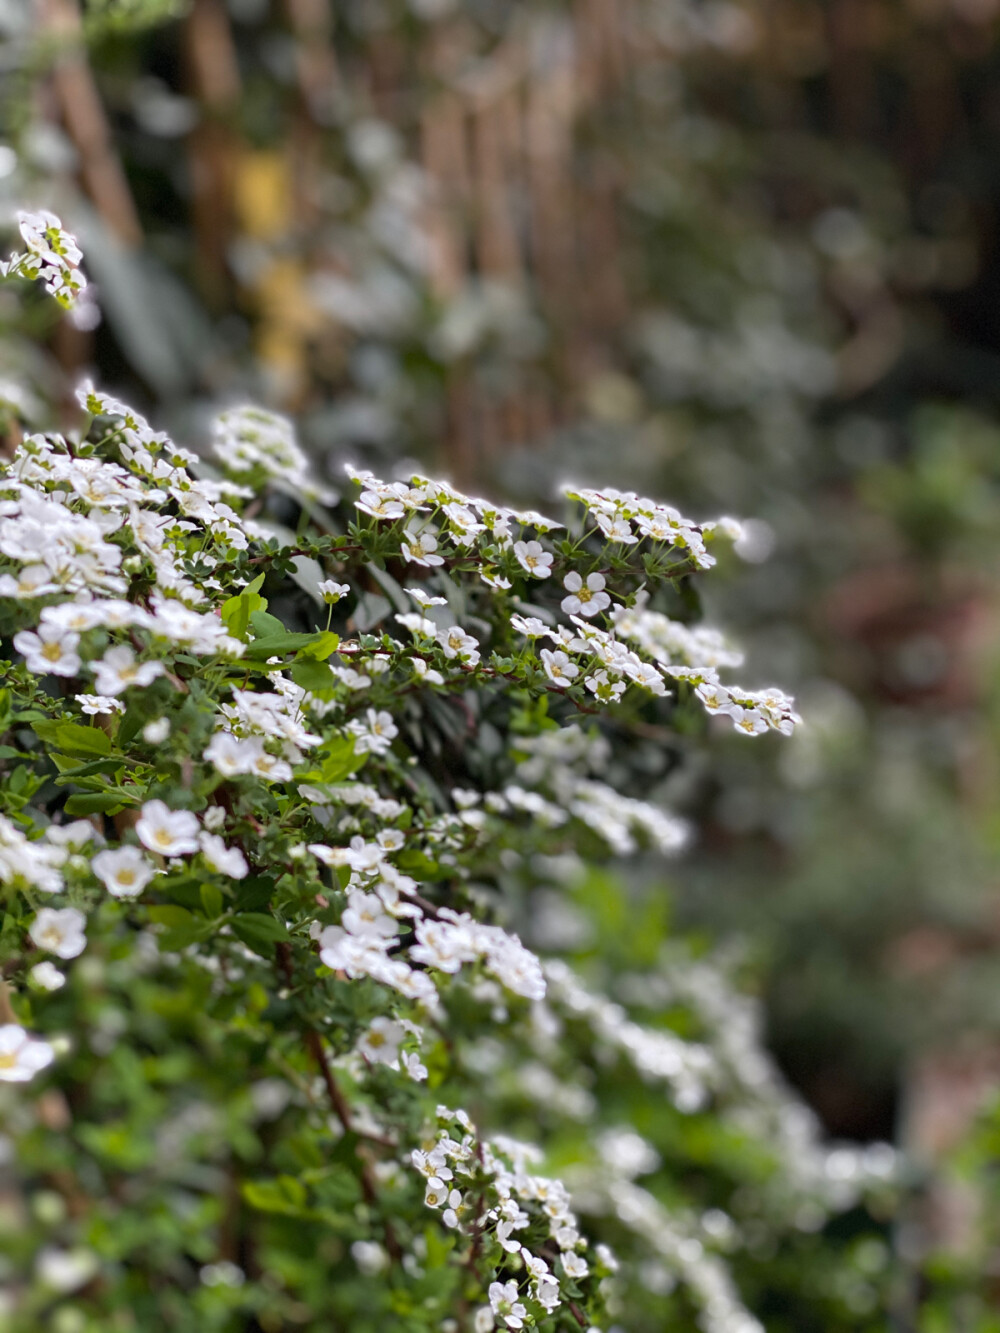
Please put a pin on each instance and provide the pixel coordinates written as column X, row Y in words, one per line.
column 275, row 800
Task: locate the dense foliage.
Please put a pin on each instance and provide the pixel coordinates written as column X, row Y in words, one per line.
column 272, row 1051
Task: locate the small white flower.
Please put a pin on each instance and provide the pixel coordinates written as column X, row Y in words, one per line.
column 585, row 599
column 331, row 591
column 214, row 818
column 750, row 721
column 125, row 872
column 716, row 699
column 380, row 1043
column 65, row 1270
column 530, row 626
column 47, row 976
column 424, row 599
column 59, row 930
column 21, row 1055
column 605, row 688
column 484, row 1321
column 413, row 1066
column 616, row 529
column 226, row 860
column 157, row 731
column 420, row 548
column 229, row 754
column 435, row 1192
column 51, row 651
column 118, row 669
column 559, row 669
column 370, row 1257
column 533, row 557
column 169, row 832
column 457, row 643
column 97, row 705
column 574, row 1265
column 504, row 1302
column 380, row 506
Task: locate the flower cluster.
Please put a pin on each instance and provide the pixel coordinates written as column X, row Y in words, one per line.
column 51, row 256
column 326, row 807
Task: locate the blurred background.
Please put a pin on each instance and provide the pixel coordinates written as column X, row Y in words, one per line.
column 744, row 257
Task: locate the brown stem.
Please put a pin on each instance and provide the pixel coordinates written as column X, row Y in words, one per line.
column 341, row 1109
column 7, row 1014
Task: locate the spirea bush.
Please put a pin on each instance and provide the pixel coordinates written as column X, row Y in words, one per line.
column 274, row 800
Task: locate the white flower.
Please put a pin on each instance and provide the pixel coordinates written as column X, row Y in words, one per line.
column 534, row 558
column 369, row 1256
column 31, row 581
column 51, row 651
column 585, row 599
column 420, row 548
column 169, row 832
column 715, row 698
column 504, row 1302
column 484, row 1321
column 214, row 817
column 229, row 754
column 380, row 1044
column 530, row 626
column 413, row 1066
column 375, row 734
column 574, row 1265
column 547, row 1295
column 21, row 1056
column 125, row 872
column 65, row 1270
column 606, row 689
column 616, row 529
column 118, row 669
column 59, row 930
column 558, row 667
column 435, row 1192
column 417, row 625
column 96, row 705
column 380, row 506
column 424, row 599
column 331, row 591
column 452, row 1214
column 156, row 731
column 508, row 1241
column 457, row 643
column 427, row 673
column 749, row 720
column 47, row 976
column 365, row 915
column 226, row 860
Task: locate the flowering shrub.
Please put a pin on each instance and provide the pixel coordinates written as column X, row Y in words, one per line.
column 272, row 804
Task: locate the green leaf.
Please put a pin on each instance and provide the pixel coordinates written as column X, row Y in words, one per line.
column 95, row 803
column 69, row 769
column 237, row 610
column 74, row 739
column 321, row 646
column 277, row 645
column 264, row 625
column 316, row 677
column 168, row 914
column 211, row 900
column 339, row 761
column 283, row 1195
column 254, row 892
column 259, row 932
